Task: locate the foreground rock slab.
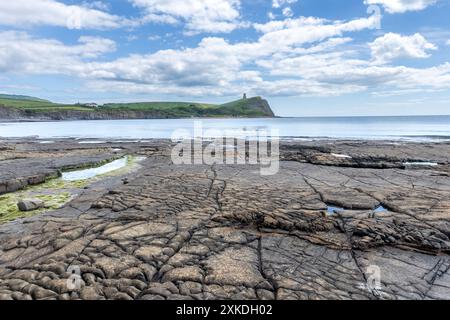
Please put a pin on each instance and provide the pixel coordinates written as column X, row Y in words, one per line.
column 226, row 232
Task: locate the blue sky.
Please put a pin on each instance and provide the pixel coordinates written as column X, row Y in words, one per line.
column 308, row 57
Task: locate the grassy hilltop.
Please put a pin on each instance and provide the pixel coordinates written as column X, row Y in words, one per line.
column 29, row 107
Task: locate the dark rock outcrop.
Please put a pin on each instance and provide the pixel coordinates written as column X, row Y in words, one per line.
column 30, row 204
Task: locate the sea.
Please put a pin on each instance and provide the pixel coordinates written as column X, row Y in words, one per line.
column 411, row 128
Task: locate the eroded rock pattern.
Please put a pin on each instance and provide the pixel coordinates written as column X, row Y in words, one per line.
column 226, row 232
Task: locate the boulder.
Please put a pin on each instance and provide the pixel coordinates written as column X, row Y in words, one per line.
column 30, row 204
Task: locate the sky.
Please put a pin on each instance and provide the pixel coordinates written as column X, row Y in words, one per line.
column 307, row 57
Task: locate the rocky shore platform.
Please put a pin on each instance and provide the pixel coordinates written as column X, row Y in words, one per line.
column 340, row 220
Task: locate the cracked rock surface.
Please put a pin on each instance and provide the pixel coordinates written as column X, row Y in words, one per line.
column 226, row 232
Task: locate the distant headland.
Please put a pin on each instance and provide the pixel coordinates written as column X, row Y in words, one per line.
column 26, row 108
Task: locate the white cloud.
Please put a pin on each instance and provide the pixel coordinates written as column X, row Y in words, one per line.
column 280, row 3
column 304, row 56
column 284, row 51
column 282, row 35
column 287, row 12
column 448, row 42
column 215, row 66
column 19, row 13
column 401, row 6
column 339, row 72
column 212, row 16
column 284, row 5
column 22, row 53
column 392, row 46
column 154, row 37
column 301, row 22
column 194, row 70
column 100, row 5
column 296, row 65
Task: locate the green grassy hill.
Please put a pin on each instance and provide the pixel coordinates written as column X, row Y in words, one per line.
column 34, row 104
column 21, row 97
column 239, row 108
column 34, row 107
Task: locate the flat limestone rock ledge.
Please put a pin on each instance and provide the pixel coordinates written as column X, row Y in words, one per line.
column 226, row 232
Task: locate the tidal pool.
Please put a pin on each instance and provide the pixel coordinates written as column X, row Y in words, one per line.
column 58, row 192
column 93, row 172
column 342, row 156
column 380, row 209
column 92, row 142
column 424, row 164
column 334, row 210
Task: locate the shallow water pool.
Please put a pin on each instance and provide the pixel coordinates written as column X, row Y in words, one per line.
column 93, row 172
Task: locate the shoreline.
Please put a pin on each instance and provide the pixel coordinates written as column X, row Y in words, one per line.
column 282, row 140
column 233, row 118
column 395, row 129
column 131, row 119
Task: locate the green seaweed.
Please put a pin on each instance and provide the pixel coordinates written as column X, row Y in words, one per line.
column 55, row 201
column 9, row 210
column 61, row 184
column 54, row 192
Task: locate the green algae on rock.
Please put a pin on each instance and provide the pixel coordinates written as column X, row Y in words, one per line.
column 9, row 210
column 55, row 192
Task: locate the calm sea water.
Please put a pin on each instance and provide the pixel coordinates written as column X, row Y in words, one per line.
column 392, row 128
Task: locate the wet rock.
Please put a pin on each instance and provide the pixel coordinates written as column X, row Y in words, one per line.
column 14, row 185
column 30, row 204
column 90, row 293
column 190, row 273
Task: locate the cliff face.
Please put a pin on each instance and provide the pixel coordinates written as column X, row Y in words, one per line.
column 7, row 113
column 12, row 114
column 245, row 108
column 261, row 105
